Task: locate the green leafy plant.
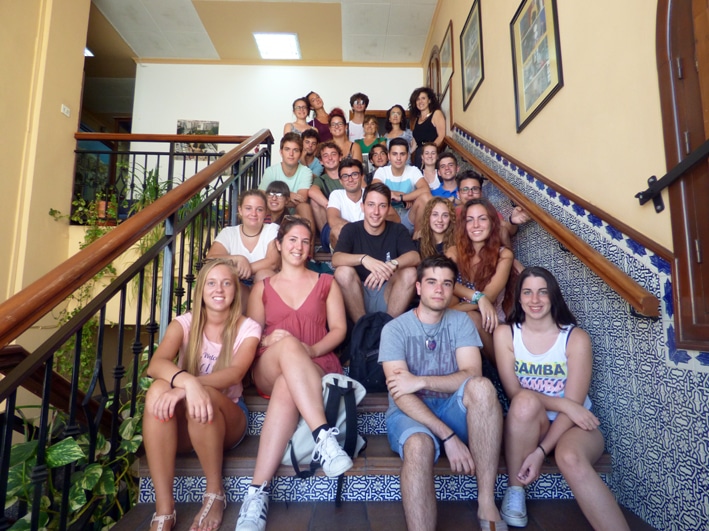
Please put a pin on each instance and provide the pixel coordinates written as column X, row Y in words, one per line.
column 96, row 485
column 94, row 219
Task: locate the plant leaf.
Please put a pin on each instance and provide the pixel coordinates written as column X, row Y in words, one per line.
column 91, row 476
column 107, row 485
column 77, row 497
column 23, row 524
column 131, row 445
column 127, row 428
column 21, row 452
column 63, row 453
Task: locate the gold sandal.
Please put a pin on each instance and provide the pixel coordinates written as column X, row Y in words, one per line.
column 161, row 519
column 208, row 500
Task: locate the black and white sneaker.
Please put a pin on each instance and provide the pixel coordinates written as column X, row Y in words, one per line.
column 254, row 510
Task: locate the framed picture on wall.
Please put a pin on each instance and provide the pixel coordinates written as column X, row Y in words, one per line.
column 471, row 54
column 434, row 71
column 536, row 58
column 446, row 57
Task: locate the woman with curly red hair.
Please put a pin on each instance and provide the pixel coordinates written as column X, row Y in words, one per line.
column 484, row 266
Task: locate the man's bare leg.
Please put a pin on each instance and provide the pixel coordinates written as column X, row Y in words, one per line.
column 399, row 290
column 351, row 286
column 484, row 439
column 417, row 489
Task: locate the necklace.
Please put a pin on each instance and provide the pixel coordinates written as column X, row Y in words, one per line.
column 430, row 342
column 251, row 235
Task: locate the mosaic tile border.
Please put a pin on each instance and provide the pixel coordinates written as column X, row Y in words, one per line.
column 651, row 398
column 356, row 488
column 367, row 423
column 645, row 267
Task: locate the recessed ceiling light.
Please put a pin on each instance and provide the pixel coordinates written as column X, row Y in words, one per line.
column 87, row 52
column 278, row 45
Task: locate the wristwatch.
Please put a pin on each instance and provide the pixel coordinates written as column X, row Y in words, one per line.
column 395, row 263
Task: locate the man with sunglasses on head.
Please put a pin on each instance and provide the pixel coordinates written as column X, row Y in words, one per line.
column 359, row 103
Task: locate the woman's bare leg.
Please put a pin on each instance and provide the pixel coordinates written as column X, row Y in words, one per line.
column 288, row 358
column 278, row 427
column 161, row 446
column 488, row 349
column 526, row 421
column 209, row 442
column 575, row 453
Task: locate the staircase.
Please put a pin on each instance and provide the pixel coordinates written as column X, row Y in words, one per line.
column 374, row 477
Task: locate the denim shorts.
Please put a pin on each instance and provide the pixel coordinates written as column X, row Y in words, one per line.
column 245, row 409
column 374, row 300
column 450, row 410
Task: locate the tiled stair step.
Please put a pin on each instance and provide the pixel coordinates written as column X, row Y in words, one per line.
column 377, row 459
column 374, row 477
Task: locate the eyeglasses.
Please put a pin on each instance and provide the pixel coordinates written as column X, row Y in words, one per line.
column 353, row 175
column 275, row 194
column 337, row 124
column 300, row 107
column 474, row 189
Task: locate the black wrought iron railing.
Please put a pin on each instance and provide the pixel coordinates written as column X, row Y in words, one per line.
column 69, row 464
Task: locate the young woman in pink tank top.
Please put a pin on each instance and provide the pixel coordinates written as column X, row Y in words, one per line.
column 194, row 402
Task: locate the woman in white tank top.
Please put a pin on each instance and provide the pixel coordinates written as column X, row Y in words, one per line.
column 545, row 365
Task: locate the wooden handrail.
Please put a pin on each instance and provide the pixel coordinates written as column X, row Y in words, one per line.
column 644, row 302
column 26, row 307
column 145, row 137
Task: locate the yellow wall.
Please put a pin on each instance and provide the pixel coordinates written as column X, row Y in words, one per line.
column 41, row 51
column 41, row 58
column 601, row 135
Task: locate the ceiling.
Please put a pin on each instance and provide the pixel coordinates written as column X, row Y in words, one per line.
column 345, row 32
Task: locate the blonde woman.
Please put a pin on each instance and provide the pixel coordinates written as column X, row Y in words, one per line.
column 194, row 402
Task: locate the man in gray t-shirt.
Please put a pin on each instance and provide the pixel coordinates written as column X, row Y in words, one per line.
column 438, row 397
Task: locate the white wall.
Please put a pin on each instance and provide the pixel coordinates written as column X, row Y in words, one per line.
column 245, row 99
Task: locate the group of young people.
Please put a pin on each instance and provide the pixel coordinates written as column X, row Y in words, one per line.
column 433, row 254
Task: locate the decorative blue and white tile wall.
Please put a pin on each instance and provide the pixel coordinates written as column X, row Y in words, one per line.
column 652, row 399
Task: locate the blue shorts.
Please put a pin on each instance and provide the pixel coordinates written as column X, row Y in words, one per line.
column 374, row 300
column 405, row 221
column 450, row 410
column 245, row 409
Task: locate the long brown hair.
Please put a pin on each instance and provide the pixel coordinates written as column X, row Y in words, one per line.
column 481, row 273
column 193, row 354
column 427, row 243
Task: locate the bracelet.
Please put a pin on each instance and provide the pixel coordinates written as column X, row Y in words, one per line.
column 443, row 441
column 476, row 297
column 361, row 260
column 511, row 222
column 172, row 381
column 543, row 450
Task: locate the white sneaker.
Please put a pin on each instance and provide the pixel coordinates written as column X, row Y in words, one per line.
column 329, row 453
column 254, row 510
column 514, row 508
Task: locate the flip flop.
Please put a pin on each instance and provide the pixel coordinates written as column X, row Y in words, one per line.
column 208, row 500
column 161, row 519
column 489, row 525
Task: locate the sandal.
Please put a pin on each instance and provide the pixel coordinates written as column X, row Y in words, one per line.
column 208, row 500
column 161, row 519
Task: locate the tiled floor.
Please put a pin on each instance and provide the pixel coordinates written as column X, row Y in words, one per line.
column 544, row 515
